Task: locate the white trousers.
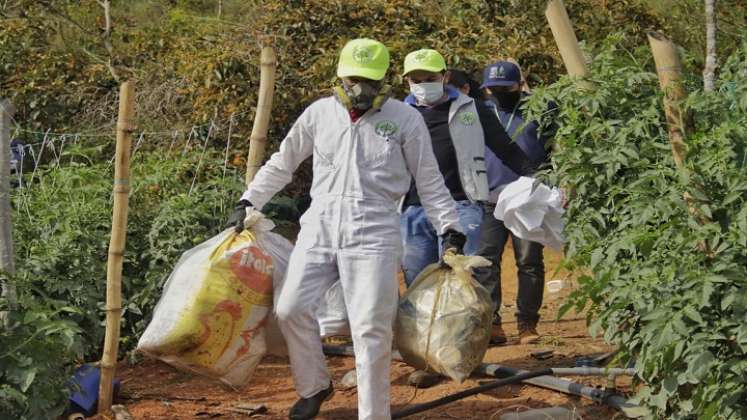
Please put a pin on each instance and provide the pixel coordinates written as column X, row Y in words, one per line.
column 368, row 279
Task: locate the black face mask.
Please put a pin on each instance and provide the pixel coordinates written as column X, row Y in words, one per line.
column 507, row 100
column 362, row 94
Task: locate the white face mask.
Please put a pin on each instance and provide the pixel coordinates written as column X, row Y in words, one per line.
column 427, row 93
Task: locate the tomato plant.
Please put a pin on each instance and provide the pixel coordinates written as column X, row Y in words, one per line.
column 666, row 286
column 61, row 229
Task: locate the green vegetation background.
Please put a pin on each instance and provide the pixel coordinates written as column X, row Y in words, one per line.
column 192, row 67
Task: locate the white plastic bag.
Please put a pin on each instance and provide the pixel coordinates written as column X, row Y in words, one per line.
column 332, row 314
column 532, row 211
column 332, row 318
column 212, row 314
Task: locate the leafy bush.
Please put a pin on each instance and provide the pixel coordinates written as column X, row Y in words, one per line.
column 670, row 290
column 38, row 350
column 62, row 227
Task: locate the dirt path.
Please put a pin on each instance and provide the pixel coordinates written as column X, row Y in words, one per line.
column 153, row 390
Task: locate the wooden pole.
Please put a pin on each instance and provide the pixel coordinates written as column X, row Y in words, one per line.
column 258, row 139
column 573, row 58
column 7, row 262
column 669, row 69
column 121, row 192
column 565, row 37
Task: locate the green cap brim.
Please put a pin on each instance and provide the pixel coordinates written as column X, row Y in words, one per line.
column 432, row 69
column 352, row 71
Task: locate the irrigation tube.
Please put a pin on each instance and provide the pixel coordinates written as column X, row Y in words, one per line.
column 592, row 371
column 523, row 376
column 546, row 380
column 500, row 370
column 556, row 384
column 338, row 350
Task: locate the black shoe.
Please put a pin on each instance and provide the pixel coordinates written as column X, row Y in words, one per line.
column 308, row 408
column 497, row 335
column 423, row 379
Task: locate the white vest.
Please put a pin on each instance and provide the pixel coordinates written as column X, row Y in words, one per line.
column 469, row 143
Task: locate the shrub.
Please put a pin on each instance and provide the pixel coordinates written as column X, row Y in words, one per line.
column 669, row 290
column 38, row 350
column 62, row 228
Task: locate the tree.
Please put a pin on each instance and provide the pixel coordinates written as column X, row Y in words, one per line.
column 709, row 72
column 106, row 36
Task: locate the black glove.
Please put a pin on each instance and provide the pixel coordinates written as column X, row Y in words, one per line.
column 453, row 240
column 236, row 220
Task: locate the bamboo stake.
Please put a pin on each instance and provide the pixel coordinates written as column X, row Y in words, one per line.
column 669, row 69
column 258, row 139
column 572, row 55
column 121, row 192
column 565, row 37
column 7, row 253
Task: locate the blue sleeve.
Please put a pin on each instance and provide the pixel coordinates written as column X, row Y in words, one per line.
column 500, row 143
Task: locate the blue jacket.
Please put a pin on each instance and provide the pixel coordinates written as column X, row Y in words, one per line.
column 533, row 145
column 17, row 153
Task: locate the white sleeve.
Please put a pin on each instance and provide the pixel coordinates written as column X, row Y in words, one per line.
column 277, row 172
column 421, row 162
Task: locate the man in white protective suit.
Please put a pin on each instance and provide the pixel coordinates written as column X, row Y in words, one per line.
column 366, row 148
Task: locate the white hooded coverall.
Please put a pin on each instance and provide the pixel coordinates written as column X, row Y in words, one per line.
column 351, row 233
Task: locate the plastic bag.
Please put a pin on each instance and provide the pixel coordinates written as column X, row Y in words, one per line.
column 332, row 314
column 444, row 318
column 212, row 314
column 280, row 250
column 532, row 211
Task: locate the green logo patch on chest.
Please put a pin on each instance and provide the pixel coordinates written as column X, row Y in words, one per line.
column 467, row 117
column 386, row 128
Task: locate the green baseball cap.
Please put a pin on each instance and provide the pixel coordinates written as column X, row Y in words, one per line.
column 363, row 58
column 428, row 60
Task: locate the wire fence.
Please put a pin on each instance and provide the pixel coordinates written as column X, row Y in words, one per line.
column 53, row 151
column 48, row 152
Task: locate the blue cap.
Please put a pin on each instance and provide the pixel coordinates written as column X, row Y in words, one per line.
column 501, row 73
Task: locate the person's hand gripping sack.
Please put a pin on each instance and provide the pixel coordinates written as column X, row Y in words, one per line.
column 453, row 241
column 238, row 216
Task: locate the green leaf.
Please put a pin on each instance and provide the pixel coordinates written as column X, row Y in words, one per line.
column 659, row 400
column 669, row 385
column 693, row 314
column 27, row 379
column 686, row 406
column 700, row 366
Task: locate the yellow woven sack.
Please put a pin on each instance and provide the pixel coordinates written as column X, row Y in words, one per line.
column 215, row 305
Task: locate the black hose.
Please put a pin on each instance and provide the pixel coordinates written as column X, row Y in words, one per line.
column 338, row 350
column 347, row 350
column 408, row 411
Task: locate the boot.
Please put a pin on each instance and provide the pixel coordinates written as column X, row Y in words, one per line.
column 423, row 379
column 308, row 408
column 497, row 335
column 528, row 333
